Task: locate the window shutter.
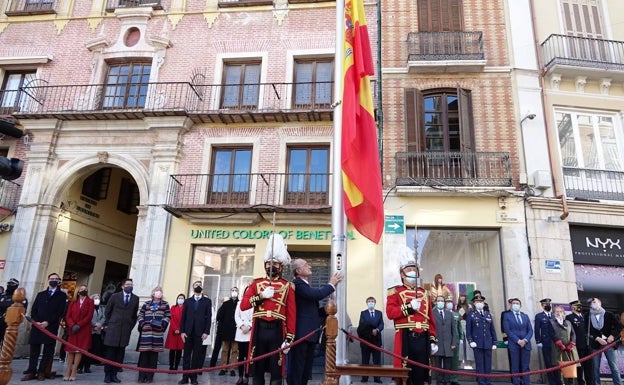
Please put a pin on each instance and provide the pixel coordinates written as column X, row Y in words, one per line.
column 466, row 132
column 456, row 18
column 423, row 15
column 413, row 118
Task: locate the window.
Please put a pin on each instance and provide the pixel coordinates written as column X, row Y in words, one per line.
column 241, row 85
column 95, row 186
column 313, row 83
column 308, row 175
column 128, row 199
column 39, row 5
column 231, row 176
column 583, row 19
column 11, row 97
column 126, row 85
column 112, row 4
column 440, row 15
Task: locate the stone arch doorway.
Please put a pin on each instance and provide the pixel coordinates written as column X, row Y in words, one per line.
column 96, row 228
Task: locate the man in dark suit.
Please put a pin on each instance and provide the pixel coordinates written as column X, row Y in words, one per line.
column 307, row 299
column 445, row 332
column 47, row 310
column 120, row 316
column 519, row 332
column 544, row 339
column 194, row 329
column 579, row 321
column 369, row 329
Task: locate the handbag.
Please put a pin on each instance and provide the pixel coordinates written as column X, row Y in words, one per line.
column 567, row 371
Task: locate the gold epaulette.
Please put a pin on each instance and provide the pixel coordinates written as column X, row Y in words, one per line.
column 391, row 290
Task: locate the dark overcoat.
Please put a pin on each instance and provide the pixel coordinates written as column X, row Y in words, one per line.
column 226, row 325
column 48, row 308
column 120, row 319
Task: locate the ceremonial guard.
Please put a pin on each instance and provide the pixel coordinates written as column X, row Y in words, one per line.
column 481, row 337
column 584, row 373
column 273, row 301
column 409, row 306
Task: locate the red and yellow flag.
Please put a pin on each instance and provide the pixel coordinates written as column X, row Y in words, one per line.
column 361, row 174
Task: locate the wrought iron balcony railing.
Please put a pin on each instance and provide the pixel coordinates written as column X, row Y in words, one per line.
column 248, row 192
column 9, row 195
column 111, row 5
column 583, row 52
column 243, row 3
column 586, row 183
column 429, row 46
column 470, row 169
column 31, row 7
column 261, row 102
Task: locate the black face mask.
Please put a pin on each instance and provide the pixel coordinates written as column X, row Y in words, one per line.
column 198, row 289
column 10, row 289
column 547, row 307
column 273, row 272
column 83, row 293
column 53, row 284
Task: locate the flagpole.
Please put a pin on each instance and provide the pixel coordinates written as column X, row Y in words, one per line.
column 338, row 246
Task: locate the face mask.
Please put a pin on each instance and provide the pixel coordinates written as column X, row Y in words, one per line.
column 83, row 293
column 559, row 317
column 440, row 305
column 547, row 307
column 479, row 305
column 234, row 294
column 515, row 307
column 53, row 284
column 595, row 306
column 197, row 289
column 96, row 302
column 449, row 306
column 128, row 289
column 10, row 289
column 180, row 301
column 410, row 277
column 273, row 271
column 371, row 305
column 577, row 309
column 158, row 294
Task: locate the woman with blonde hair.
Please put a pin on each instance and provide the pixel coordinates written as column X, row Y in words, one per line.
column 153, row 319
column 78, row 318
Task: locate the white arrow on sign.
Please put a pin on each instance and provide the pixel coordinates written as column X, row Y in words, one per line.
column 394, row 226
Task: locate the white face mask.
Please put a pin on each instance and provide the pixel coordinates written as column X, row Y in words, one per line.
column 440, row 305
column 158, row 294
column 411, row 277
column 234, row 294
column 479, row 305
column 595, row 306
column 180, row 301
column 515, row 307
column 96, row 302
column 449, row 306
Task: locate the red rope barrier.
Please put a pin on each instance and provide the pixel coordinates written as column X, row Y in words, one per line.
column 167, row 371
column 472, row 374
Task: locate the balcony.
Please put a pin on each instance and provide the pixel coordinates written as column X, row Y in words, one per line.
column 9, row 196
column 589, row 184
column 31, row 7
column 581, row 56
column 111, row 5
column 458, row 169
column 243, row 3
column 226, row 104
column 445, row 52
column 190, row 194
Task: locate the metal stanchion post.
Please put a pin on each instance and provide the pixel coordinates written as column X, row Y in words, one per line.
column 13, row 318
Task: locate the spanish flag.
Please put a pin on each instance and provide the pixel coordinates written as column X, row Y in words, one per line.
column 361, row 174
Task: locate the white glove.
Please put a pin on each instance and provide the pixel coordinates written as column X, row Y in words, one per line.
column 267, row 292
column 540, row 345
column 434, row 348
column 506, row 342
column 415, row 304
column 286, row 347
column 493, row 347
column 473, row 345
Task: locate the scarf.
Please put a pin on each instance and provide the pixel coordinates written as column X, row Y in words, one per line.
column 560, row 320
column 598, row 324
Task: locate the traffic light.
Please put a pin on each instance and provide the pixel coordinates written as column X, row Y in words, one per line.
column 10, row 168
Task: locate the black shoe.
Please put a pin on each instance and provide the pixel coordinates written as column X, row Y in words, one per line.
column 107, row 379
column 87, row 370
column 183, row 381
column 79, row 371
column 232, row 373
column 194, row 382
column 222, row 372
column 377, row 380
column 364, row 379
column 115, row 379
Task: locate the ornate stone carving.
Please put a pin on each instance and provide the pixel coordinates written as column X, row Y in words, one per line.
column 581, row 81
column 102, row 157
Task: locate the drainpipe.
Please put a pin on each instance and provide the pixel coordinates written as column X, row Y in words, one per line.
column 555, row 168
column 379, row 93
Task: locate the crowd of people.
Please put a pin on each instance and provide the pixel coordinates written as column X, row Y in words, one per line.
column 430, row 327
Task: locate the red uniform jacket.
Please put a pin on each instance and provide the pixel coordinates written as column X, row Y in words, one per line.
column 398, row 309
column 81, row 316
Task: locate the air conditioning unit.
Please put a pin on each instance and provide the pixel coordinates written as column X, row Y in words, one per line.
column 542, row 179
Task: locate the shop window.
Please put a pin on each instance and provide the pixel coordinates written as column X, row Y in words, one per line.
column 467, row 260
column 126, row 85
column 95, row 186
column 241, row 85
column 128, row 199
column 313, row 83
column 308, row 175
column 12, row 97
column 231, row 176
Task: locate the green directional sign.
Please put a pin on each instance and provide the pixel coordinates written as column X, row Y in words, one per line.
column 395, row 224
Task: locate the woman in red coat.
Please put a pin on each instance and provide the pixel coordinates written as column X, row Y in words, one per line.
column 174, row 340
column 78, row 319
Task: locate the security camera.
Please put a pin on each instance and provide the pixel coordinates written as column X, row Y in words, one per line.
column 531, row 116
